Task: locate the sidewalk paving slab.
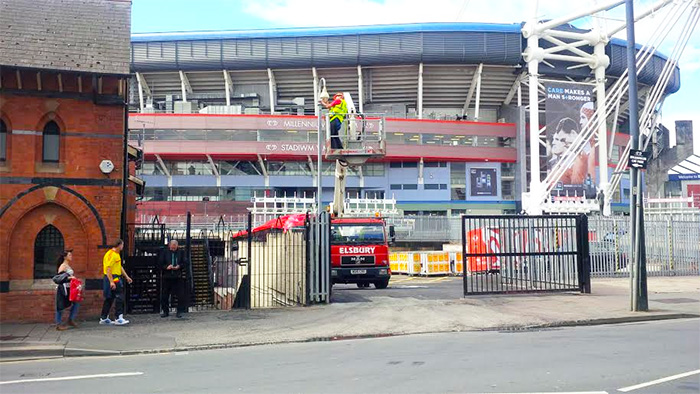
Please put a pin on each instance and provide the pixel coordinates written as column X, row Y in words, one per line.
column 677, row 297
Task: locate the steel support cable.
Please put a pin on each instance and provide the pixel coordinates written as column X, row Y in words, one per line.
column 643, row 57
column 670, row 65
column 659, row 88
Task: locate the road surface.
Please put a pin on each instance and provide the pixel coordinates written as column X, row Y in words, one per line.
column 653, row 357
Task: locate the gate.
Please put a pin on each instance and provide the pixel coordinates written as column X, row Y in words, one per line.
column 518, row 254
column 143, row 244
column 284, row 262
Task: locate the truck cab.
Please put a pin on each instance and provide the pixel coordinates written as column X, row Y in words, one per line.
column 360, row 252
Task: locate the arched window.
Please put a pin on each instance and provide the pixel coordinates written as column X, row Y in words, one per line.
column 47, row 247
column 51, row 142
column 3, row 141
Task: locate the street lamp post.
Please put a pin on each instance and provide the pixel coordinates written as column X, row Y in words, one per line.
column 637, row 264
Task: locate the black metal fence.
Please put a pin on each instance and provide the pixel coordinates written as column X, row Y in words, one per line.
column 248, row 268
column 515, row 254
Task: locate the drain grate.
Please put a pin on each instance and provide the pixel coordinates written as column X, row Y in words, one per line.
column 676, row 300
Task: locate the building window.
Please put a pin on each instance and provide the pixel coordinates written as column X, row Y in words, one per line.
column 435, row 186
column 376, row 194
column 48, row 246
column 435, row 164
column 3, row 141
column 403, row 164
column 410, row 187
column 395, row 187
column 51, row 142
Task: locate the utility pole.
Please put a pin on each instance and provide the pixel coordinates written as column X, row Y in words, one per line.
column 638, row 271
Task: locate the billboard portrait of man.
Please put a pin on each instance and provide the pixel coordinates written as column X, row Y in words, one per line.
column 569, row 108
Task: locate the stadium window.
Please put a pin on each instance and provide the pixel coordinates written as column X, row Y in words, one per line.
column 51, row 142
column 376, row 194
column 373, row 169
column 431, row 186
column 3, row 141
column 395, row 187
column 435, row 164
column 410, row 164
column 458, row 174
column 458, row 194
column 395, row 164
column 409, row 186
column 508, row 190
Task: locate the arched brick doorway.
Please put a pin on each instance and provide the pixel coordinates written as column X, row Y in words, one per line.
column 37, row 224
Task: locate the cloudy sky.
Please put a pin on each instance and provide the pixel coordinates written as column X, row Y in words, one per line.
column 190, row 15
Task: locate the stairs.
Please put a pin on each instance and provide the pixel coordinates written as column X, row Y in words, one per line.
column 203, row 289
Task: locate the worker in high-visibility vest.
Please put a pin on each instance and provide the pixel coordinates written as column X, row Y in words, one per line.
column 338, row 109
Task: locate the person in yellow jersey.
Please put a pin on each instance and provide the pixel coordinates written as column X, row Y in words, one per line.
column 113, row 285
column 338, row 110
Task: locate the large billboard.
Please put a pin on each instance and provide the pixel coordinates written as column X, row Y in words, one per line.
column 483, row 182
column 569, row 107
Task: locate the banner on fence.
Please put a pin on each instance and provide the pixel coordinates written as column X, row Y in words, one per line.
column 483, row 241
column 568, row 108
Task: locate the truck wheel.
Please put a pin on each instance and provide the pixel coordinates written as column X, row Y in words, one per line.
column 382, row 284
column 360, row 285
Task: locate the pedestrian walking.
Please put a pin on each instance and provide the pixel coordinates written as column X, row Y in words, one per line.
column 173, row 263
column 113, row 285
column 62, row 279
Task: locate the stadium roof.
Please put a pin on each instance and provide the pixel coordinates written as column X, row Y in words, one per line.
column 327, row 31
column 367, row 46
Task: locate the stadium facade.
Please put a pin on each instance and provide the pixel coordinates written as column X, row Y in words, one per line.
column 225, row 116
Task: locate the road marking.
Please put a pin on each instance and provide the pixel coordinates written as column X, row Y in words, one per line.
column 564, row 392
column 104, row 375
column 657, row 381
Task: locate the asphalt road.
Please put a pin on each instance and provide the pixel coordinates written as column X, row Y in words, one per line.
column 402, row 286
column 592, row 359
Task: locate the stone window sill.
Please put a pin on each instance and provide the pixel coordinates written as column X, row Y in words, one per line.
column 52, row 168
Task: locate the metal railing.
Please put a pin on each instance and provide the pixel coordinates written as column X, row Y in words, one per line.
column 672, row 245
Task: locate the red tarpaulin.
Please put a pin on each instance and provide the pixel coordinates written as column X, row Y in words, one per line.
column 283, row 223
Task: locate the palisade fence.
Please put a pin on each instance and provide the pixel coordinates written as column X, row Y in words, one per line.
column 672, row 245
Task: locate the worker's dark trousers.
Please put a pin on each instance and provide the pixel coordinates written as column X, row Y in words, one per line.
column 172, row 286
column 335, row 139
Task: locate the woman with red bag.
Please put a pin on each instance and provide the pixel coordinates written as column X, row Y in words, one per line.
column 63, row 280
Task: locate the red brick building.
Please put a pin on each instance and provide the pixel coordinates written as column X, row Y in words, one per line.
column 62, row 123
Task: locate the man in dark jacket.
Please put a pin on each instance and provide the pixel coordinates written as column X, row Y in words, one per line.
column 173, row 264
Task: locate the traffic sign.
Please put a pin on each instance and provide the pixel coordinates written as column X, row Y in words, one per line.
column 638, row 159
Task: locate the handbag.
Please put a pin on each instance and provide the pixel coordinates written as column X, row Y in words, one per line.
column 76, row 290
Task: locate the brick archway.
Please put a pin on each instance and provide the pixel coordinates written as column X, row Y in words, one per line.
column 23, row 236
column 43, row 203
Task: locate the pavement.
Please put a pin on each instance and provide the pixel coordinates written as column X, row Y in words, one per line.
column 408, row 306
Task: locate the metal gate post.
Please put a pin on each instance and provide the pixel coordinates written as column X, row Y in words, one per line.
column 583, row 255
column 249, row 236
column 464, row 255
column 188, row 252
column 308, row 225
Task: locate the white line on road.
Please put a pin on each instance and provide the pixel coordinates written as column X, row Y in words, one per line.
column 564, row 392
column 104, row 375
column 657, row 381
